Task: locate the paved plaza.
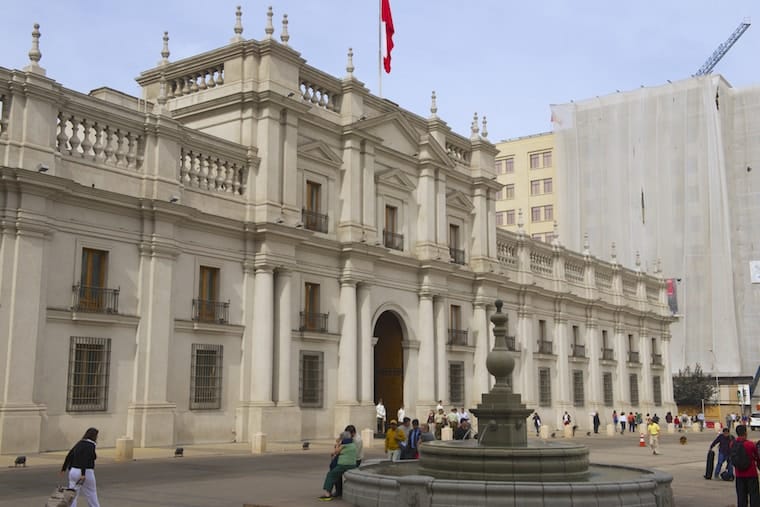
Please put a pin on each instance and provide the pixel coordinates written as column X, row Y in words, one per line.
column 229, row 475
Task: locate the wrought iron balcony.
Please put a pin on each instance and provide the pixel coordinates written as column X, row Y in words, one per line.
column 312, row 321
column 95, row 299
column 313, row 220
column 657, row 359
column 633, row 356
column 207, row 310
column 578, row 350
column 393, row 240
column 608, row 354
column 457, row 255
column 457, row 337
column 544, row 347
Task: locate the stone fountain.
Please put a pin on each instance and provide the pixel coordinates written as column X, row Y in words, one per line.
column 501, row 468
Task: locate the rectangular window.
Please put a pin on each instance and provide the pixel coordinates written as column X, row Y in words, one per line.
column 310, row 379
column 453, row 236
column 544, row 387
column 605, row 345
column 657, row 391
column 499, row 218
column 542, row 330
column 500, row 194
column 206, row 376
column 91, row 296
column 548, row 212
column 535, row 187
column 548, row 186
column 455, row 317
column 538, row 237
column 312, row 216
column 607, row 388
column 391, row 219
column 633, row 383
column 207, row 308
column 535, row 214
column 510, row 217
column 578, row 395
column 654, row 346
column 312, row 319
column 509, row 191
column 535, row 161
column 456, row 382
column 89, row 366
column 630, row 343
column 509, row 165
column 499, row 166
column 547, row 155
column 313, row 197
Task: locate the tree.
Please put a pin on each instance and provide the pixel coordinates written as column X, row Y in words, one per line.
column 690, row 387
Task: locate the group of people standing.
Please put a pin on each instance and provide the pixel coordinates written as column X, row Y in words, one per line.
column 742, row 461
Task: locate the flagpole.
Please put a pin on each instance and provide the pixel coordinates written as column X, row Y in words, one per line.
column 379, row 48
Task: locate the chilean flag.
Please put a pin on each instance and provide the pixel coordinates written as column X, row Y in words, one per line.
column 386, row 22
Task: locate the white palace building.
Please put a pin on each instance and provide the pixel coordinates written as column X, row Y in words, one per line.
column 261, row 247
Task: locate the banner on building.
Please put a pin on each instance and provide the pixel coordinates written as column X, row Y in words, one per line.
column 672, row 295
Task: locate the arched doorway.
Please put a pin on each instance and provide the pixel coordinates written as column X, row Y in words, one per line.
column 389, row 363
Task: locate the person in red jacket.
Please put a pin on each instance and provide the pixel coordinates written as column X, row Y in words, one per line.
column 746, row 479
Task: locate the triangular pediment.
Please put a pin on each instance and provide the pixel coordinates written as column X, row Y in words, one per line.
column 395, row 178
column 432, row 151
column 395, row 131
column 458, row 200
column 319, row 151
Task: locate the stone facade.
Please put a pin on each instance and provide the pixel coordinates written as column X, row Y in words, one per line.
column 260, row 247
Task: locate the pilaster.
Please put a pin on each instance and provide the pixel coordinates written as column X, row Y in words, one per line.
column 441, row 338
column 426, row 218
column 285, row 326
column 621, row 347
column 426, row 363
column 594, row 346
column 565, row 379
column 351, row 177
column 366, row 347
column 480, row 373
column 528, row 367
column 347, row 349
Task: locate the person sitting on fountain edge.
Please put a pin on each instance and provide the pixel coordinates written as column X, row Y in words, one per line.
column 463, row 431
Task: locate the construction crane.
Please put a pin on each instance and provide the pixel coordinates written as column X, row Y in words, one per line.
column 719, row 53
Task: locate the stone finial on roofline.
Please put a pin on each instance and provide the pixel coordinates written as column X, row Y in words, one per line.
column 520, row 222
column 285, row 36
column 484, row 130
column 613, row 254
column 350, row 63
column 238, row 25
column 474, row 128
column 269, row 30
column 586, row 246
column 165, row 50
column 555, row 234
column 433, row 106
column 34, row 53
column 638, row 261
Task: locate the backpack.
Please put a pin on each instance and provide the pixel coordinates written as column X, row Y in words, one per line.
column 739, row 456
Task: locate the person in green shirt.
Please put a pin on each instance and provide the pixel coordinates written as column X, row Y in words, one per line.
column 346, row 453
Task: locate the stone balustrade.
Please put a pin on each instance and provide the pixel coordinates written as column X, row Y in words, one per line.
column 458, row 152
column 100, row 138
column 212, row 164
column 319, row 89
column 195, row 81
column 3, row 115
column 534, row 262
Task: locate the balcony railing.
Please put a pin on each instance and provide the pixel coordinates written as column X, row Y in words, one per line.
column 313, row 220
column 95, row 299
column 657, row 359
column 578, row 350
column 457, row 255
column 608, row 354
column 393, row 240
column 544, row 347
column 457, row 337
column 312, row 321
column 633, row 356
column 207, row 310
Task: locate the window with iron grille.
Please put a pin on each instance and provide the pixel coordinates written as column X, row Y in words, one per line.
column 578, row 395
column 633, row 381
column 607, row 388
column 206, row 376
column 310, row 379
column 657, row 390
column 544, row 387
column 89, row 365
column 456, row 382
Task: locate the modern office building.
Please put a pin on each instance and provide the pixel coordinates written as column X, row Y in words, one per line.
column 525, row 168
column 256, row 246
column 670, row 173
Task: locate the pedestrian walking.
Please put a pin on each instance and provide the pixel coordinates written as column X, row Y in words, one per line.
column 80, row 466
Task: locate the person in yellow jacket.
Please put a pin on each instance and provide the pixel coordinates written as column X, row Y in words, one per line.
column 654, row 435
column 394, row 439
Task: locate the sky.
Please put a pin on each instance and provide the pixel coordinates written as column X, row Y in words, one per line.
column 508, row 60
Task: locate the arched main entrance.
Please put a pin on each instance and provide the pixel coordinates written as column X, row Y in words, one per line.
column 389, row 363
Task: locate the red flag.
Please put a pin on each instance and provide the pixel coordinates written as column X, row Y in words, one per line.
column 386, row 20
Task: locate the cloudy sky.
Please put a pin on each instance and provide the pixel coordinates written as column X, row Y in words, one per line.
column 504, row 58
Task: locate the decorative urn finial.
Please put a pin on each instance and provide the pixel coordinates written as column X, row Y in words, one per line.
column 433, row 105
column 165, row 50
column 484, row 130
column 34, row 53
column 474, row 127
column 269, row 30
column 350, row 63
column 238, row 37
column 285, row 36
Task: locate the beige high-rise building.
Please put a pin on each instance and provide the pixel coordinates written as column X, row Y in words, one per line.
column 525, row 166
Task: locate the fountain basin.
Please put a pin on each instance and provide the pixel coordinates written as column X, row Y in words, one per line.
column 386, row 484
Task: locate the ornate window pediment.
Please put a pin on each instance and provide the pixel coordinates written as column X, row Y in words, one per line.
column 395, row 178
column 319, row 151
column 458, row 200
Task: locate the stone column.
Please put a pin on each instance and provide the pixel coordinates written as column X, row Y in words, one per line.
column 366, row 348
column 426, row 247
column 593, row 348
column 263, row 338
column 284, row 332
column 646, row 395
column 564, row 377
column 242, row 413
column 667, row 381
column 21, row 282
column 347, row 381
column 528, row 372
column 150, row 416
column 480, row 373
column 623, row 387
column 441, row 339
column 426, row 356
